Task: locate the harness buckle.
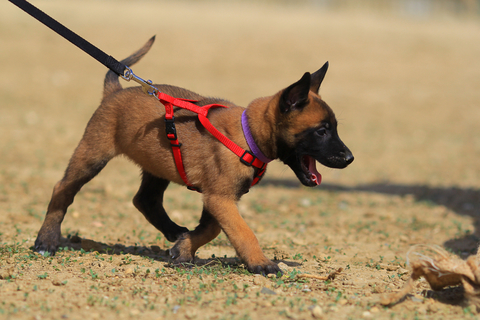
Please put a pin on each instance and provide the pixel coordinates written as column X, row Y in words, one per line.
column 170, row 129
column 247, row 162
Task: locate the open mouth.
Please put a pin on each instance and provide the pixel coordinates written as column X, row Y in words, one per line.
column 310, row 169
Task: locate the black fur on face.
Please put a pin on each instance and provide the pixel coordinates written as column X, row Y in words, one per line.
column 322, row 144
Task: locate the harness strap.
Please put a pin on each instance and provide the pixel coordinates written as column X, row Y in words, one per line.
column 246, row 156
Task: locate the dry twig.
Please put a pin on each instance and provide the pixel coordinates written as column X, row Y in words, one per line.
column 330, row 276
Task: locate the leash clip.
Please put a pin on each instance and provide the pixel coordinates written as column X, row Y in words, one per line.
column 147, row 86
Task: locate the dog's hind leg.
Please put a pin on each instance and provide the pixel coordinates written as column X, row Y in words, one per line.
column 185, row 248
column 149, row 201
column 86, row 162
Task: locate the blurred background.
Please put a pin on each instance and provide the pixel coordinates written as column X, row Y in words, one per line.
column 417, row 8
column 404, row 79
column 404, row 82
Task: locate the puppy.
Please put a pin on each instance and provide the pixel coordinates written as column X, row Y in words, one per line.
column 294, row 125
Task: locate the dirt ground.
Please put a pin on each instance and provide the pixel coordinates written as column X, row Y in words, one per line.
column 405, row 89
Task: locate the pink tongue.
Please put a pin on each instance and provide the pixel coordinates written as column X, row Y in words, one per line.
column 316, row 176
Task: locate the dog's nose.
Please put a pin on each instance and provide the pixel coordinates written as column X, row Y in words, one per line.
column 349, row 158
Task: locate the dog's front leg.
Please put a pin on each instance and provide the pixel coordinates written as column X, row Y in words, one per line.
column 223, row 213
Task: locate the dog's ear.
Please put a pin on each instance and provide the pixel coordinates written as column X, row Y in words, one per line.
column 295, row 96
column 317, row 78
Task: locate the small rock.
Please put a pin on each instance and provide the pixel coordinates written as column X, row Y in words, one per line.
column 258, row 280
column 6, row 273
column 342, row 302
column 366, row 314
column 271, row 275
column 175, row 308
column 388, row 267
column 374, row 310
column 58, row 282
column 379, row 289
column 405, row 277
column 317, row 312
column 432, row 308
column 283, row 267
column 267, row 291
column 299, row 242
column 129, row 271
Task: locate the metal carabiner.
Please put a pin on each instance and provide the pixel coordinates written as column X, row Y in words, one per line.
column 147, row 85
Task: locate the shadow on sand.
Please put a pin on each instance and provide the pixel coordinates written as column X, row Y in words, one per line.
column 464, row 202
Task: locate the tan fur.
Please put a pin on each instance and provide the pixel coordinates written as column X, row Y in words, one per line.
column 130, row 123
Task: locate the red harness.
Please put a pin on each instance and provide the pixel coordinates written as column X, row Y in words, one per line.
column 246, row 156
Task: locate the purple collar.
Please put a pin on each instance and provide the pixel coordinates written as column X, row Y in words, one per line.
column 251, row 143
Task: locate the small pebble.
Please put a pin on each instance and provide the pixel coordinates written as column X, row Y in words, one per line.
column 317, row 312
column 283, row 267
column 432, row 308
column 267, row 291
column 58, row 282
column 342, row 302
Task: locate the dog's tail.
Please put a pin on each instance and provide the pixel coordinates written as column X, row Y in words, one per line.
column 111, row 83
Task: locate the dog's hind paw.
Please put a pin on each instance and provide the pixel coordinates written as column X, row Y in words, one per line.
column 271, row 268
column 181, row 252
column 45, row 252
column 44, row 249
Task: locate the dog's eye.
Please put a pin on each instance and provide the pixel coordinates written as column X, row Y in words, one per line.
column 322, row 131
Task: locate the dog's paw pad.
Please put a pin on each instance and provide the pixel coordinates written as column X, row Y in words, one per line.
column 270, row 269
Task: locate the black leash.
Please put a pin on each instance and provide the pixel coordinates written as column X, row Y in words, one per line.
column 110, row 62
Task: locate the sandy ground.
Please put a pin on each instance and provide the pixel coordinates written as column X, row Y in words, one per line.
column 406, row 93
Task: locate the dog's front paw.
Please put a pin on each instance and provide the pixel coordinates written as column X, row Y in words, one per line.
column 265, row 268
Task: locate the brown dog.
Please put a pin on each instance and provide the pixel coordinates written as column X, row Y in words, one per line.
column 295, row 126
